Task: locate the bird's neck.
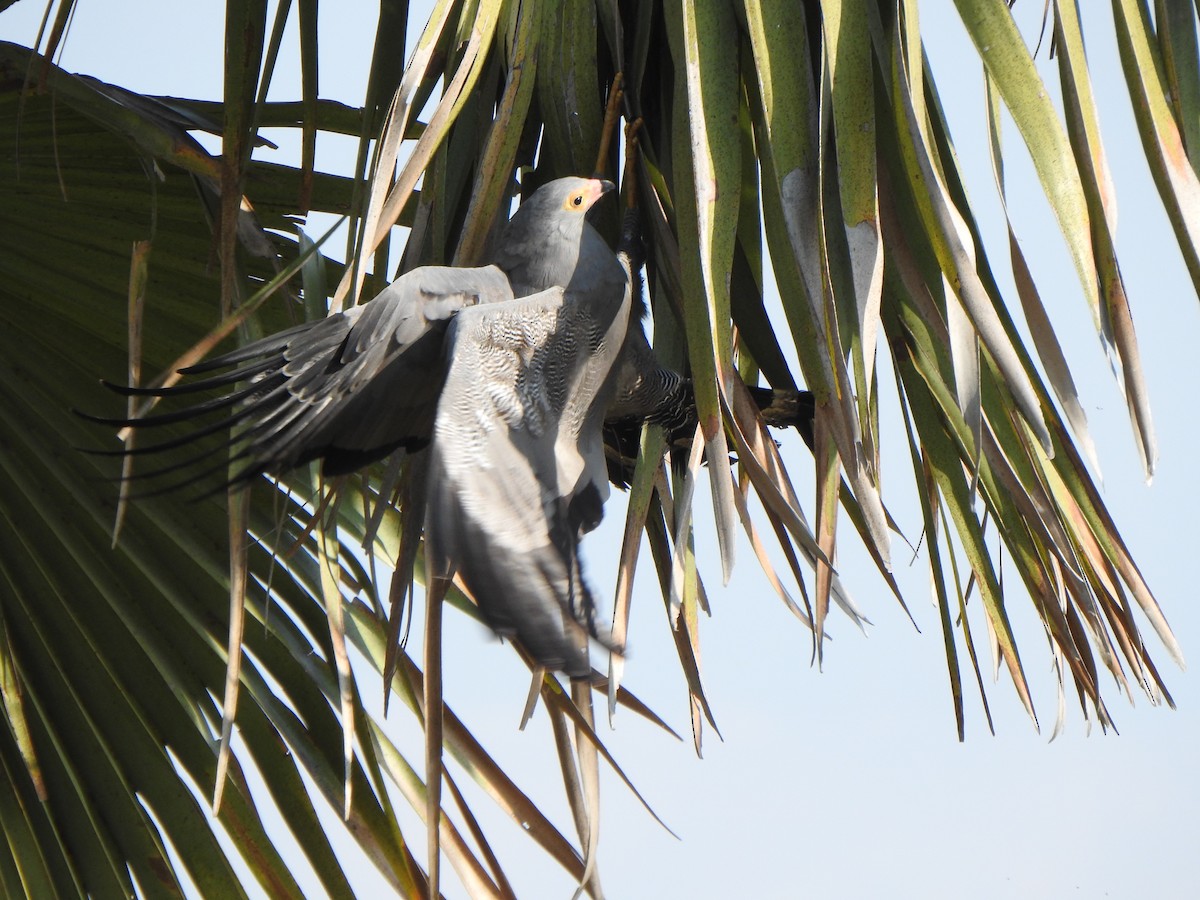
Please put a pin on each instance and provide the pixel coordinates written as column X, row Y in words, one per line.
column 556, row 263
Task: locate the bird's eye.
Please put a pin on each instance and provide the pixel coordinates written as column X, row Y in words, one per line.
column 577, row 200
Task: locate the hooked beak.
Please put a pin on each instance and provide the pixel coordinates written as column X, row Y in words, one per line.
column 597, row 188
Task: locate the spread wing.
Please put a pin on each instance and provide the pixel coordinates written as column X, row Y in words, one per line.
column 347, row 389
column 517, row 473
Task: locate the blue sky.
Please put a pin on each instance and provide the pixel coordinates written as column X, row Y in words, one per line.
column 847, row 782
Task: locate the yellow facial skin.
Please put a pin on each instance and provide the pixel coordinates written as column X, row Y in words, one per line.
column 582, row 199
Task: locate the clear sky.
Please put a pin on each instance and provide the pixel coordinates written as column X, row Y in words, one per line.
column 847, row 782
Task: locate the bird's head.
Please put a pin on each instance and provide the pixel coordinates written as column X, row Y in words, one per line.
column 546, row 236
column 563, row 202
column 580, row 194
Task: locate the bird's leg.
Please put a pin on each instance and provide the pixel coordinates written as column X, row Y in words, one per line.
column 631, row 244
column 631, row 249
column 782, row 408
column 612, row 113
